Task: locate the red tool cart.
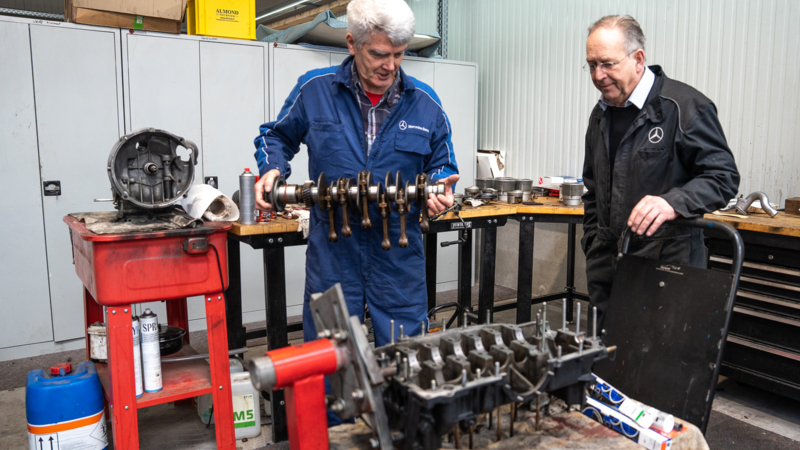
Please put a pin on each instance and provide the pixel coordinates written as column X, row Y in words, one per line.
column 118, row 270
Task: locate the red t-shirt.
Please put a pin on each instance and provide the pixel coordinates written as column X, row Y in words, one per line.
column 374, row 98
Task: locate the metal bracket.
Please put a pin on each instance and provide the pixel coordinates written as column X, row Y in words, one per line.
column 212, row 181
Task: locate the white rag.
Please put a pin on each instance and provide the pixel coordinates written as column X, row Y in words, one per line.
column 304, row 219
column 205, row 201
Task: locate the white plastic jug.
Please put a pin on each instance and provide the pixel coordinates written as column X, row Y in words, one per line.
column 246, row 403
column 205, row 402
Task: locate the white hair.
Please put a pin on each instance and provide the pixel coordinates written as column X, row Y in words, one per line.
column 390, row 17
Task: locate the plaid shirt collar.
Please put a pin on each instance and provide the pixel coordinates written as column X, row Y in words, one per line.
column 390, row 97
column 373, row 116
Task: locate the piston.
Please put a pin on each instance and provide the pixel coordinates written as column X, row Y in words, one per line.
column 570, row 194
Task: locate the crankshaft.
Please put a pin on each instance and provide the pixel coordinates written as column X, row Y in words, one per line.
column 356, row 195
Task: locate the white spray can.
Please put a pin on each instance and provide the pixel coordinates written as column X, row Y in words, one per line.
column 137, row 356
column 151, row 351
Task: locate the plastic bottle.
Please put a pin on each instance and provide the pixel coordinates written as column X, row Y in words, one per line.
column 65, row 409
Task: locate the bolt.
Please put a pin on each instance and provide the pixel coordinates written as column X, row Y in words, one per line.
column 209, row 298
column 126, row 408
column 771, row 257
column 282, row 402
column 578, row 320
column 126, row 309
column 113, row 311
column 280, row 239
column 374, row 443
column 594, row 323
column 340, row 336
column 219, row 298
column 401, row 332
column 220, row 388
column 477, row 373
column 337, row 406
column 271, row 240
column 523, row 217
column 324, row 334
column 433, row 385
column 544, row 315
column 358, row 394
column 405, row 368
column 661, row 284
column 391, row 332
column 463, row 377
column 497, row 368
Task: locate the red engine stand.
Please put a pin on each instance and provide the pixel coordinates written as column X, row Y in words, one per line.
column 301, row 370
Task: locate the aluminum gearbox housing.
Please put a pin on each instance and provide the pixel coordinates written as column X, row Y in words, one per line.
column 151, row 169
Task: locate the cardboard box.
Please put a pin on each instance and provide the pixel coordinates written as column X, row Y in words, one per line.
column 793, row 206
column 491, row 163
column 148, row 15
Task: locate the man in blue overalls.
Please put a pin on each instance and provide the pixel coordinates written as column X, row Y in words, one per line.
column 365, row 114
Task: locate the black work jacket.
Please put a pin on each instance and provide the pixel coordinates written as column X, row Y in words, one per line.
column 675, row 149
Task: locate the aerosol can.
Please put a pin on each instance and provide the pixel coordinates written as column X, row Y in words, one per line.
column 247, row 198
column 137, row 356
column 151, row 351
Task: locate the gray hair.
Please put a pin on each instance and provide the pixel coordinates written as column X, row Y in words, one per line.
column 390, row 17
column 634, row 37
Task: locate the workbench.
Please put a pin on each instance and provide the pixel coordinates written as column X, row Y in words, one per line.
column 550, row 211
column 566, row 430
column 762, row 348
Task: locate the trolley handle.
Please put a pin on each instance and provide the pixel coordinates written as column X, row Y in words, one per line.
column 709, row 226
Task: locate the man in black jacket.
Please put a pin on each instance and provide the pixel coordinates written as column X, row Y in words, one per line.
column 655, row 151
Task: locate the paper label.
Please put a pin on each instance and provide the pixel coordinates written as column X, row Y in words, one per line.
column 138, row 23
column 635, row 411
column 244, row 413
column 92, row 436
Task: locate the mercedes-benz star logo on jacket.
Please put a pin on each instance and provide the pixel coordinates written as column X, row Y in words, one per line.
column 403, row 125
column 655, row 136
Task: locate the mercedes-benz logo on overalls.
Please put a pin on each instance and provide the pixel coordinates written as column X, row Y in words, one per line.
column 403, row 125
column 656, row 134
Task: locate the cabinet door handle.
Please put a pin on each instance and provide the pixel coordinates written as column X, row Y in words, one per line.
column 51, row 188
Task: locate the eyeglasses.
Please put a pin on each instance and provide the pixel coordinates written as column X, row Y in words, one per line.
column 606, row 67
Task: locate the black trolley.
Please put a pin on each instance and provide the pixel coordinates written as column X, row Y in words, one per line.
column 670, row 323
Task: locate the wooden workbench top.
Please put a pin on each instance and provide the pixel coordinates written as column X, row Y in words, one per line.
column 783, row 224
column 550, row 205
column 492, row 209
column 279, row 225
column 563, row 431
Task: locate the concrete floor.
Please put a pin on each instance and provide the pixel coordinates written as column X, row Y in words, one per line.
column 743, row 417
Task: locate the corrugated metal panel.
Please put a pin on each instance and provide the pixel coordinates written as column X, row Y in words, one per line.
column 535, row 99
column 426, row 13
